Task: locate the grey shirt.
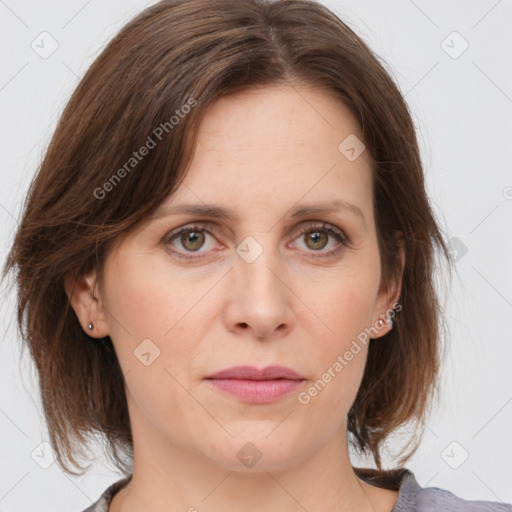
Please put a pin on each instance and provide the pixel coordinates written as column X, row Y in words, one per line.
column 411, row 497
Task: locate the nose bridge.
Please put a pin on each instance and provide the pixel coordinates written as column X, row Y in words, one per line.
column 258, row 265
column 261, row 296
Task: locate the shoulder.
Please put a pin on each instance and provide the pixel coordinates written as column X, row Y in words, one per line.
column 103, row 502
column 414, row 498
column 432, row 499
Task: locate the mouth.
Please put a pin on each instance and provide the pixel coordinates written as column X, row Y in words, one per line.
column 251, row 385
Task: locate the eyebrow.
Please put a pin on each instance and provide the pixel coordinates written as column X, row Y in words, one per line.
column 297, row 211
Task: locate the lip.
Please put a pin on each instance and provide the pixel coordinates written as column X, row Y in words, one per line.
column 253, row 373
column 252, row 385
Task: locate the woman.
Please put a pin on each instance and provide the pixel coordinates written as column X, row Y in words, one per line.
column 225, row 264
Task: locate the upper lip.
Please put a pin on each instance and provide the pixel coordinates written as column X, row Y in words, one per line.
column 253, row 373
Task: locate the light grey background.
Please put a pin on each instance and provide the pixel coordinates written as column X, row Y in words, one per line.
column 462, row 105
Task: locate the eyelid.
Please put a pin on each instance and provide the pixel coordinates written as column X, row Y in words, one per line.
column 191, row 226
column 206, row 226
column 311, row 226
column 213, row 229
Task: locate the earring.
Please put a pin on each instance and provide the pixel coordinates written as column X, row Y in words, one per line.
column 390, row 322
column 90, row 326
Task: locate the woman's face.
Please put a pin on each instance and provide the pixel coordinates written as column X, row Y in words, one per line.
column 252, row 289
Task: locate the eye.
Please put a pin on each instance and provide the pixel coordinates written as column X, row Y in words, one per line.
column 317, row 236
column 193, row 242
column 191, row 238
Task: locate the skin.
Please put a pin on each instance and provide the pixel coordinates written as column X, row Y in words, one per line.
column 259, row 153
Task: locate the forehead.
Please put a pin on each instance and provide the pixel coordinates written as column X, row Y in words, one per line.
column 271, row 149
column 266, row 117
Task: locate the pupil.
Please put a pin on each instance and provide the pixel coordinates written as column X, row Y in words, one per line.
column 316, row 237
column 192, row 240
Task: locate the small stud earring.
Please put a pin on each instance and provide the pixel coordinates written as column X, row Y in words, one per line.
column 380, row 323
column 90, row 326
column 390, row 322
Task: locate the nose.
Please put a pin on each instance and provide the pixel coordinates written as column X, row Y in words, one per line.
column 259, row 301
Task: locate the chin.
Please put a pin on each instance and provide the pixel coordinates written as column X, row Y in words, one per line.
column 259, row 449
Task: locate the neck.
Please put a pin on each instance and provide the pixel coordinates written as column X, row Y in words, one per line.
column 170, row 477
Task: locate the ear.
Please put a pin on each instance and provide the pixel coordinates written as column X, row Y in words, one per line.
column 389, row 293
column 82, row 293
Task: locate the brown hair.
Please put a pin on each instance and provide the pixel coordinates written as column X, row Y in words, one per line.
column 181, row 53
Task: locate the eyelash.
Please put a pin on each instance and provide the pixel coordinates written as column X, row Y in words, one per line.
column 320, row 226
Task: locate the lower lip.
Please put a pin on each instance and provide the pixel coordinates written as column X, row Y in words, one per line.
column 256, row 391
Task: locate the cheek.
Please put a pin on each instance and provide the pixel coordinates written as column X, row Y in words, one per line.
column 344, row 299
column 155, row 319
column 344, row 307
column 140, row 298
